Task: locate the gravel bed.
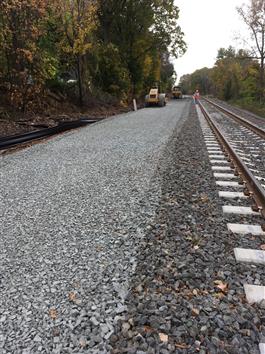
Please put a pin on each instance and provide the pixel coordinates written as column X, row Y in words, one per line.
column 253, row 118
column 73, row 211
column 187, row 294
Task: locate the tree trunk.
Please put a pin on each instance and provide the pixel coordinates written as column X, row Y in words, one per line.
column 262, row 80
column 80, row 82
column 106, row 29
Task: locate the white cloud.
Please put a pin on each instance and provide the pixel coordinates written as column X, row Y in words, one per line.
column 208, row 25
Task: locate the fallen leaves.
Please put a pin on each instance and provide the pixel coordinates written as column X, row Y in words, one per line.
column 83, row 342
column 182, row 346
column 204, row 198
column 53, row 313
column 72, row 296
column 149, row 329
column 262, row 247
column 191, row 293
column 219, row 296
column 163, row 337
column 195, row 312
column 219, row 284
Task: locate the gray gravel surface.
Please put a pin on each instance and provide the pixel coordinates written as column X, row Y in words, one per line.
column 187, row 292
column 73, row 212
column 260, row 121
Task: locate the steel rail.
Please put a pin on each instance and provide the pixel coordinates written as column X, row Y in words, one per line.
column 255, row 128
column 13, row 140
column 252, row 184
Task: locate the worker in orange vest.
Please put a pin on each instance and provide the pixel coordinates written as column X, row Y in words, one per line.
column 196, row 96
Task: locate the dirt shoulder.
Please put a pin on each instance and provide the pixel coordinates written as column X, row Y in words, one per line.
column 12, row 123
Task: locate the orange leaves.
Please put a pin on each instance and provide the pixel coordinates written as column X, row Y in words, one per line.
column 221, row 286
column 204, row 198
column 182, row 346
column 163, row 337
column 195, row 312
column 26, row 54
column 72, row 297
column 53, row 314
column 149, row 329
column 195, row 292
column 22, row 25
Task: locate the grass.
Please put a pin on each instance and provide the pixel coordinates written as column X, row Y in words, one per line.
column 254, row 107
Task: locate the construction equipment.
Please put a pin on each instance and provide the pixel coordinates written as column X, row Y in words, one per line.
column 176, row 92
column 154, row 98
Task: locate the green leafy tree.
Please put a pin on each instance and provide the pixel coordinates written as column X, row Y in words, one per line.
column 78, row 22
column 200, row 80
column 111, row 76
column 142, row 31
column 253, row 14
column 234, row 76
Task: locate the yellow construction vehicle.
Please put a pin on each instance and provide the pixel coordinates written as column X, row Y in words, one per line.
column 176, row 92
column 154, row 98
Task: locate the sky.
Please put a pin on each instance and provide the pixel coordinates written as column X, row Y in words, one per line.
column 208, row 25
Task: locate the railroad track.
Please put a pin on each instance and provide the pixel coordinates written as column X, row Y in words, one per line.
column 239, row 188
column 246, row 123
column 14, row 140
column 239, row 163
column 249, row 144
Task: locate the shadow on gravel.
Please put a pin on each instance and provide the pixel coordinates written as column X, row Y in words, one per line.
column 187, row 293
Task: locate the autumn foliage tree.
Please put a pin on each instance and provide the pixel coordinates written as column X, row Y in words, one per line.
column 22, row 62
column 78, row 21
column 253, row 14
column 235, row 76
column 117, row 47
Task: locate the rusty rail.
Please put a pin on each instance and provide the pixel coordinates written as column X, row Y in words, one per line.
column 256, row 129
column 252, row 184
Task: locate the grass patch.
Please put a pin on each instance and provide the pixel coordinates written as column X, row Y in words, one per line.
column 254, row 107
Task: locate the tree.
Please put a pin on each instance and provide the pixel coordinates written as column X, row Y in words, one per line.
column 234, row 76
column 226, row 74
column 78, row 22
column 117, row 46
column 201, row 79
column 21, row 27
column 253, row 15
column 111, row 76
column 167, row 73
column 143, row 31
column 167, row 32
